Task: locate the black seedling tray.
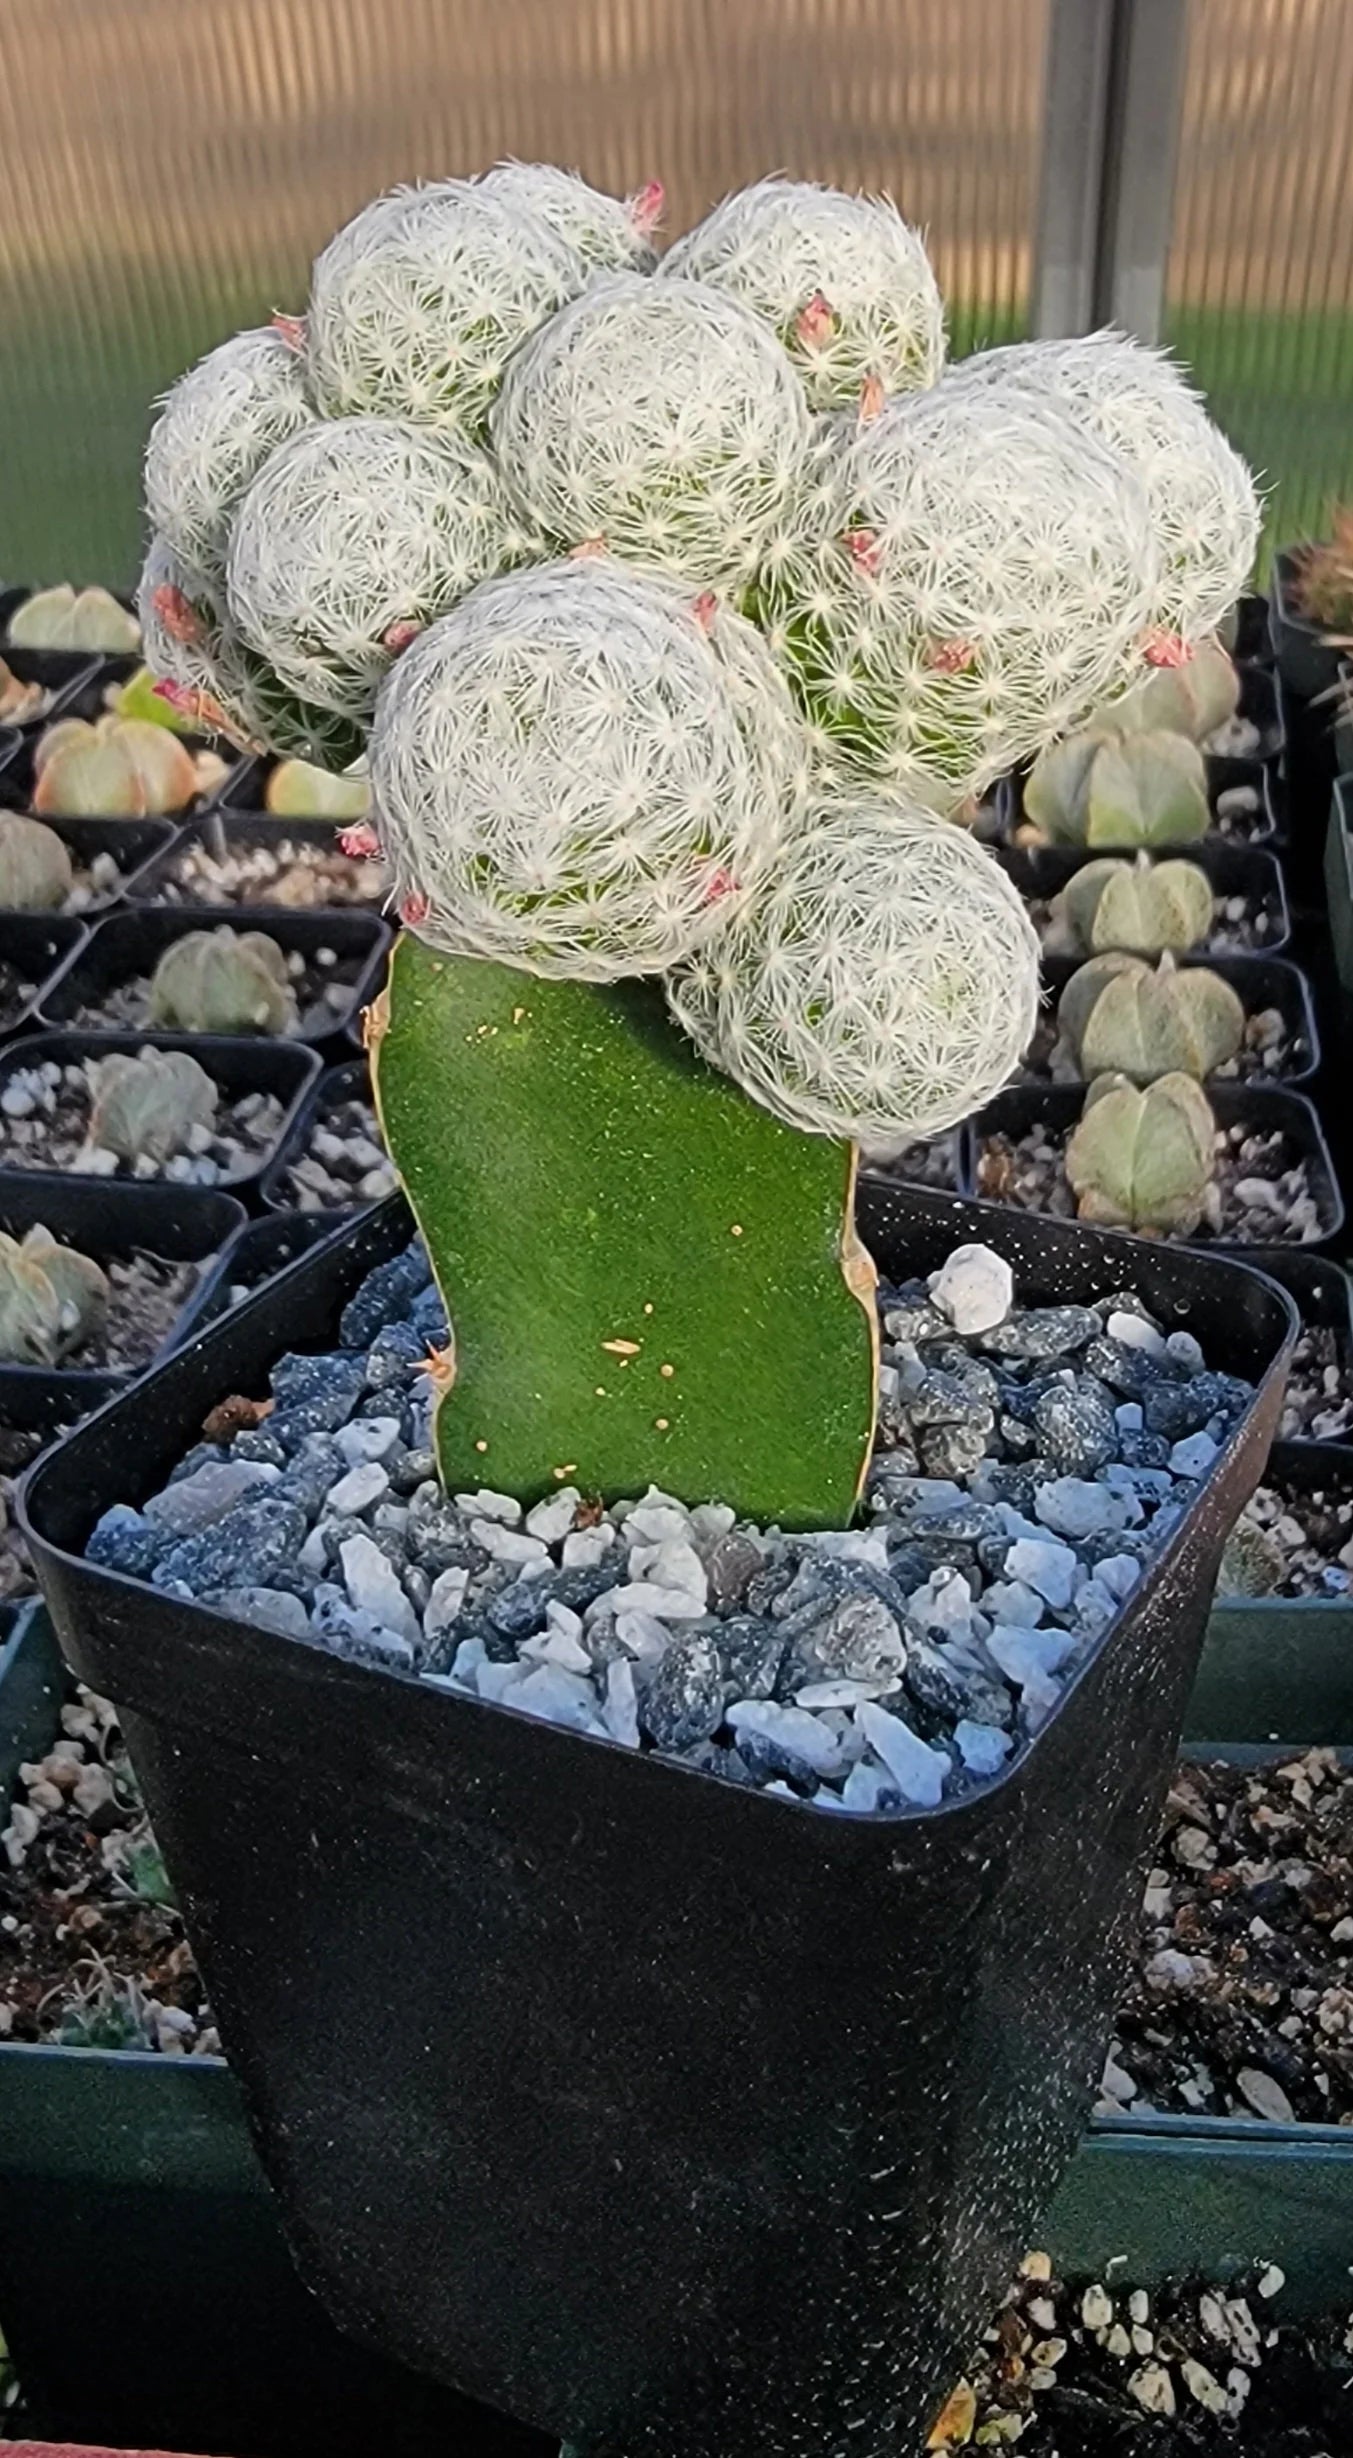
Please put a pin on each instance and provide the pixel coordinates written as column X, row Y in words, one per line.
column 1339, row 878
column 133, row 844
column 39, row 946
column 1307, row 666
column 1042, row 871
column 1258, row 981
column 237, row 1064
column 61, row 672
column 255, row 1254
column 347, row 1082
column 672, row 2059
column 68, row 665
column 103, row 1218
column 1258, row 703
column 1290, row 1656
column 222, row 830
column 130, row 943
column 1253, row 641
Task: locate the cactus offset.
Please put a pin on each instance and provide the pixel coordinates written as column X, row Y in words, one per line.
column 1143, row 906
column 117, row 768
column 1143, row 1160
column 215, row 430
column 1118, row 1017
column 52, row 1300
column 144, row 1108
column 611, row 235
column 223, row 981
column 35, row 866
column 66, row 618
column 1110, row 789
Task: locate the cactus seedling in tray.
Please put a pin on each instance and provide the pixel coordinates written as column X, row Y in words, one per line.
column 660, row 675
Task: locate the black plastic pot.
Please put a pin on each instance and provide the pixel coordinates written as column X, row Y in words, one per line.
column 1259, row 982
column 1258, row 703
column 1339, row 878
column 1307, row 666
column 225, row 830
column 180, row 1224
column 1058, row 1106
column 1323, row 1295
column 128, row 944
column 238, row 1065
column 36, row 947
column 1251, row 641
column 1341, row 709
column 718, row 2121
column 1041, row 872
column 61, row 672
column 132, row 843
column 347, row 1082
column 256, row 1253
column 68, row 665
column 1291, row 1657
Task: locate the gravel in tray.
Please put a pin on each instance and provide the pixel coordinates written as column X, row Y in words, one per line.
column 1262, row 1193
column 44, row 1121
column 1288, row 1542
column 294, row 873
column 146, row 1295
column 344, row 1162
column 937, row 1163
column 323, row 988
column 15, row 993
column 1319, row 1402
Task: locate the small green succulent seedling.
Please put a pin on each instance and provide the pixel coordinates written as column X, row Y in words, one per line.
column 1119, row 789
column 297, row 790
column 1143, row 1160
column 51, row 1299
column 1253, row 1563
column 35, row 866
column 1119, row 1017
column 116, row 768
column 223, row 981
column 1143, row 906
column 1191, row 699
column 145, row 1108
column 66, row 618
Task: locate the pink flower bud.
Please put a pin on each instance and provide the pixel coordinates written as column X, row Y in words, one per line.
column 865, row 547
column 719, row 884
column 950, row 656
column 815, row 324
column 586, row 548
column 360, row 843
column 872, row 398
column 704, row 608
column 414, row 910
column 398, row 636
column 1165, row 648
column 645, row 207
column 176, row 612
column 291, row 328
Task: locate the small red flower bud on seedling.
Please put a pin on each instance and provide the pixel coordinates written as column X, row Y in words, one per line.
column 177, row 696
column 361, row 843
column 1162, row 648
column 291, row 329
column 864, row 546
column 704, row 608
column 176, row 612
column 815, row 324
column 646, row 207
column 397, row 636
column 872, row 398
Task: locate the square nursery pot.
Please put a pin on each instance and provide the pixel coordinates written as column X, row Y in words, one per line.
column 61, row 673
column 69, row 665
column 222, row 830
column 1306, row 665
column 1266, row 825
column 237, row 1064
column 1252, row 871
column 1262, row 1108
column 131, row 844
column 715, row 2122
column 1260, row 706
column 256, row 1253
column 34, row 948
column 1248, row 634
column 337, row 1086
column 1259, row 982
column 1339, row 879
column 128, row 944
column 180, row 1224
column 1283, row 1664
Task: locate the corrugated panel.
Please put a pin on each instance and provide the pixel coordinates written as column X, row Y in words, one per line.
column 1260, row 283
column 170, row 167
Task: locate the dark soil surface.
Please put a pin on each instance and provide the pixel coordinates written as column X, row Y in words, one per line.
column 1261, row 1195
column 293, row 873
column 146, row 1297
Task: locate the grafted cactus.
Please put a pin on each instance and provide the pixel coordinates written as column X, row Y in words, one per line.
column 856, row 995
column 51, row 1299
column 420, row 301
column 116, row 768
column 144, row 1108
column 971, row 577
column 843, row 281
column 1203, row 504
column 564, row 779
column 353, row 536
column 223, row 981
column 296, row 790
column 1144, row 906
column 216, row 429
column 1118, row 1017
column 1143, row 1160
column 35, row 866
column 1111, row 789
column 609, row 235
column 66, row 618
column 659, row 418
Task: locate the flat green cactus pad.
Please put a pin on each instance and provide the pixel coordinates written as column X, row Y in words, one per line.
column 649, row 1278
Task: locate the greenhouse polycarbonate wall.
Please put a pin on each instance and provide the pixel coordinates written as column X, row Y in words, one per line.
column 1259, row 292
column 172, row 165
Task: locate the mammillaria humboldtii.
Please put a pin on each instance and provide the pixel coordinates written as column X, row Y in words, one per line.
column 659, row 418
column 418, row 303
column 217, row 682
column 564, row 779
column 883, row 987
column 610, row 234
column 355, row 535
column 216, row 428
column 843, row 280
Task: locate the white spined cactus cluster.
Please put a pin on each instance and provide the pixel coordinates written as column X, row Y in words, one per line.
column 843, row 281
column 216, row 429
column 216, row 681
column 419, row 302
column 660, row 419
column 357, row 533
column 882, row 988
column 565, row 782
column 609, row 234
column 1203, row 503
column 972, row 576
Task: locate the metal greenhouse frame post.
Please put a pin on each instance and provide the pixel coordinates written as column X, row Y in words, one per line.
column 1113, row 93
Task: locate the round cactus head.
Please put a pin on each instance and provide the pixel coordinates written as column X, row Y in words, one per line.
column 971, row 575
column 35, row 866
column 209, row 674
column 565, row 778
column 881, row 988
column 215, row 430
column 223, row 981
column 1202, row 500
column 660, row 418
column 609, row 235
column 418, row 303
column 351, row 538
column 843, row 280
